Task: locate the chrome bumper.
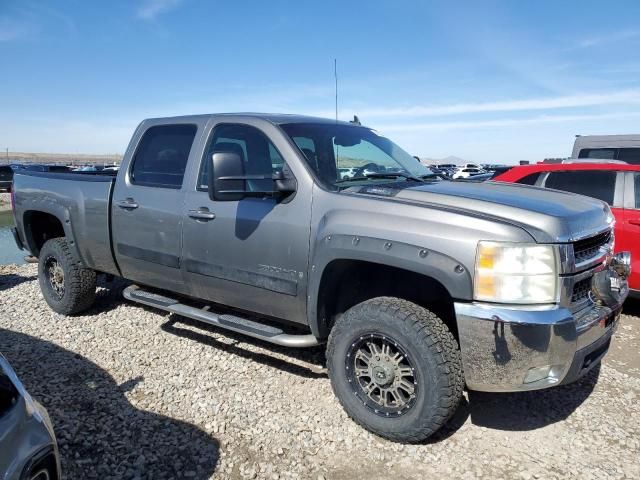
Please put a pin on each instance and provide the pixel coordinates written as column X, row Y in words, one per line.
column 509, row 349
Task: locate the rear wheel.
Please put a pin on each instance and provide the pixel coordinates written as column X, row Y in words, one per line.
column 396, row 368
column 67, row 285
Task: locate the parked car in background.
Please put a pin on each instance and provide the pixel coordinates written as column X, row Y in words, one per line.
column 28, row 448
column 6, row 177
column 446, row 166
column 346, row 173
column 465, row 172
column 472, row 165
column 611, row 147
column 40, row 167
column 617, row 184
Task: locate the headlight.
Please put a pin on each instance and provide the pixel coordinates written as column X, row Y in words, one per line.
column 516, row 273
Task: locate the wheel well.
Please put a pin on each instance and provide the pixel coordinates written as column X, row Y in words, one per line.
column 40, row 227
column 346, row 283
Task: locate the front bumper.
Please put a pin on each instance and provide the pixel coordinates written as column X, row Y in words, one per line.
column 509, row 349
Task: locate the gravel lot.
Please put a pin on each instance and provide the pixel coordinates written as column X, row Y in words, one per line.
column 137, row 393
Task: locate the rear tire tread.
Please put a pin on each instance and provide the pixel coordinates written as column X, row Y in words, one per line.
column 80, row 281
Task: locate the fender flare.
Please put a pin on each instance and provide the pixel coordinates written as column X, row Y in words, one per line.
column 452, row 274
column 55, row 210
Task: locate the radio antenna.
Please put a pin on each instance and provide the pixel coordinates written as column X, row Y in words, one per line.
column 335, row 75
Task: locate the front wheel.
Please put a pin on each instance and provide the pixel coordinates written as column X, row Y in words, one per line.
column 395, row 368
column 67, row 285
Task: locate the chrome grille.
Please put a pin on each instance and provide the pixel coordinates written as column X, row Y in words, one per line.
column 581, row 290
column 588, row 248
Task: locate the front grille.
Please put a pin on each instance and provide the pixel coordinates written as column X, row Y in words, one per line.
column 581, row 290
column 589, row 247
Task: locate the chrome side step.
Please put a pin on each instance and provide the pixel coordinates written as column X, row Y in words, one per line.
column 229, row 322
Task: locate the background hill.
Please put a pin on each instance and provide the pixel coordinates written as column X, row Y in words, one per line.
column 60, row 158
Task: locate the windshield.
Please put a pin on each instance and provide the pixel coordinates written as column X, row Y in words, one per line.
column 346, row 155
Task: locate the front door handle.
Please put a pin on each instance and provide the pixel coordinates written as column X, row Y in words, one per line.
column 635, row 222
column 202, row 213
column 127, row 204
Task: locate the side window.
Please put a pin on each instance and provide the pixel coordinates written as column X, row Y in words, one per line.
column 259, row 155
column 636, row 187
column 629, row 155
column 161, row 157
column 592, row 183
column 603, row 153
column 530, row 179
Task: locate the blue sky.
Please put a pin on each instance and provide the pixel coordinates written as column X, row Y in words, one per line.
column 486, row 81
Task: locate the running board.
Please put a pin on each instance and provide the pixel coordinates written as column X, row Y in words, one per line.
column 229, row 322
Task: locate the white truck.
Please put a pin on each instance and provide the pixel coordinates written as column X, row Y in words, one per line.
column 608, row 147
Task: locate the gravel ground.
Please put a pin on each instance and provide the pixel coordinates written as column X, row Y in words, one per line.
column 137, row 393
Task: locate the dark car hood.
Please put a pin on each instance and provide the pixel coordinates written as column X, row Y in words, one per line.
column 547, row 215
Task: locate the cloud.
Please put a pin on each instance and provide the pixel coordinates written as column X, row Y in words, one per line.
column 33, row 19
column 150, row 9
column 626, row 97
column 606, row 39
column 503, row 123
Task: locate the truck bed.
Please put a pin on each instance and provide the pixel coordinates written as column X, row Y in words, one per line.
column 80, row 201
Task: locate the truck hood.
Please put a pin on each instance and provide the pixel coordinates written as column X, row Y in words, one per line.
column 549, row 216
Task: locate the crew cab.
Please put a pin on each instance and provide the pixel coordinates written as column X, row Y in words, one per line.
column 617, row 184
column 418, row 286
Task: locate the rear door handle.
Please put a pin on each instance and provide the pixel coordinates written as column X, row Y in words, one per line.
column 202, row 213
column 127, row 204
column 635, row 222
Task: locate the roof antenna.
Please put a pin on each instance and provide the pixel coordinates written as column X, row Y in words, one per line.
column 335, row 75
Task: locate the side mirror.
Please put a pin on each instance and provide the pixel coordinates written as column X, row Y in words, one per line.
column 226, row 177
column 284, row 183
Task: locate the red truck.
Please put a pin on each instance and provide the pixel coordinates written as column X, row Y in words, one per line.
column 618, row 184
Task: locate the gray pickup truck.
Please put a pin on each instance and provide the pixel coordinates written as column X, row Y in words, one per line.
column 418, row 286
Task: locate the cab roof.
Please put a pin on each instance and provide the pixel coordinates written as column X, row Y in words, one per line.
column 275, row 118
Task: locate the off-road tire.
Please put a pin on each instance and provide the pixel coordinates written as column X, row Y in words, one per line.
column 79, row 281
column 434, row 354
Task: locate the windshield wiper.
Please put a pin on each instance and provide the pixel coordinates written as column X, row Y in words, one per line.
column 432, row 176
column 383, row 175
column 408, row 176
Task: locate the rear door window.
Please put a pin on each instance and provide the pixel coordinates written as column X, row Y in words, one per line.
column 592, row 183
column 161, row 157
column 636, row 187
column 529, row 179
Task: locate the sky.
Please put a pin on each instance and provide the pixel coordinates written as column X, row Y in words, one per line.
column 490, row 81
